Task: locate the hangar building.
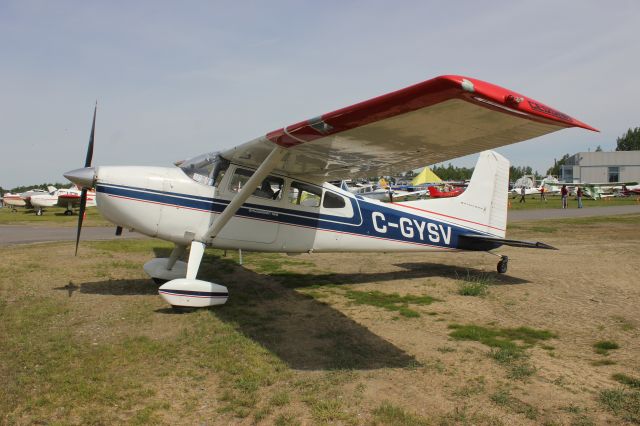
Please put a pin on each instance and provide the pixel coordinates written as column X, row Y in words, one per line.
column 616, row 166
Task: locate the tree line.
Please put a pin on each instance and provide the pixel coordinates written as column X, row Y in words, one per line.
column 25, row 188
column 453, row 173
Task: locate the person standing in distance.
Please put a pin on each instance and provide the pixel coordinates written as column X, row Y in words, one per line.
column 564, row 192
column 579, row 195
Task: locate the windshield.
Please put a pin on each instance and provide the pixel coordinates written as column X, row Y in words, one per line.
column 207, row 169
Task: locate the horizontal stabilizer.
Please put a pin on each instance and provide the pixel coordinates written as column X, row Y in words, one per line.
column 484, row 243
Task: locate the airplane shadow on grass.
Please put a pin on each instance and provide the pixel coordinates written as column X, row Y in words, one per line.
column 409, row 271
column 305, row 332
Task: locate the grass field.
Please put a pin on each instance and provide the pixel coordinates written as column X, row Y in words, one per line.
column 555, row 202
column 51, row 216
column 329, row 338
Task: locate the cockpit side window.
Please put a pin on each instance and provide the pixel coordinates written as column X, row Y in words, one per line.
column 207, row 169
column 270, row 188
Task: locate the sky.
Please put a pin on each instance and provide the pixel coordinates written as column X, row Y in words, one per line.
column 176, row 79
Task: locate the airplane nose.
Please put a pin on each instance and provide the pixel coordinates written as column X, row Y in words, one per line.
column 84, row 177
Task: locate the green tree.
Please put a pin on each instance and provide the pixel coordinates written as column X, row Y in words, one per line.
column 630, row 141
column 599, row 149
column 24, row 188
column 516, row 172
column 452, row 173
column 555, row 170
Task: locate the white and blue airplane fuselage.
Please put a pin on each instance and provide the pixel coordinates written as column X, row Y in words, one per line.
column 166, row 203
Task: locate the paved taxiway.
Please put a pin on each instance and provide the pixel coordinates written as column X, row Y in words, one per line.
column 24, row 234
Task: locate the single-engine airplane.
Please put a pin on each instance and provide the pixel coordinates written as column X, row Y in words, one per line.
column 63, row 197
column 23, row 199
column 13, row 201
column 270, row 194
column 446, row 192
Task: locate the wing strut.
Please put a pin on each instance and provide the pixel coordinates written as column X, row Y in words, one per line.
column 265, row 168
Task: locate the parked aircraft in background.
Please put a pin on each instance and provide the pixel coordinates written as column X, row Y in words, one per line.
column 628, row 190
column 381, row 192
column 39, row 199
column 21, row 200
column 531, row 188
column 72, row 198
column 218, row 199
column 13, row 201
column 63, row 197
column 596, row 191
column 446, row 192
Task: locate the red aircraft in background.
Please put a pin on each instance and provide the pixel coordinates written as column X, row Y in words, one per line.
column 628, row 190
column 449, row 191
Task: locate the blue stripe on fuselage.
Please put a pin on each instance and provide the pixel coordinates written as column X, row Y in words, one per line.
column 370, row 219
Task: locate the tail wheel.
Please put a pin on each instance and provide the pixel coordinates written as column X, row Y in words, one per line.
column 502, row 265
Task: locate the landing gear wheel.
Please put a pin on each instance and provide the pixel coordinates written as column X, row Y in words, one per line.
column 68, row 212
column 39, row 212
column 502, row 265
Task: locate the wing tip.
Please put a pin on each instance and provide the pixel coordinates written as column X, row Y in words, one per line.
column 512, row 100
column 585, row 126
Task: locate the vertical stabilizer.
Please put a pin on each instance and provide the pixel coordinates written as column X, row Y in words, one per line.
column 483, row 205
column 489, row 187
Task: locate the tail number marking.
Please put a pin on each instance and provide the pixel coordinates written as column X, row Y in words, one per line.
column 412, row 228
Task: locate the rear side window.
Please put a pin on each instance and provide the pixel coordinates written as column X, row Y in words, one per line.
column 302, row 194
column 332, row 201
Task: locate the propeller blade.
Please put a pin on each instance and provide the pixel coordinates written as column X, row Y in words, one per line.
column 83, row 203
column 87, row 162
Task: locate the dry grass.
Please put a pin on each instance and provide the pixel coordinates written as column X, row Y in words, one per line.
column 311, row 339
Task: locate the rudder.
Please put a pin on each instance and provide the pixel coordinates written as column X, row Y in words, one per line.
column 488, row 192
